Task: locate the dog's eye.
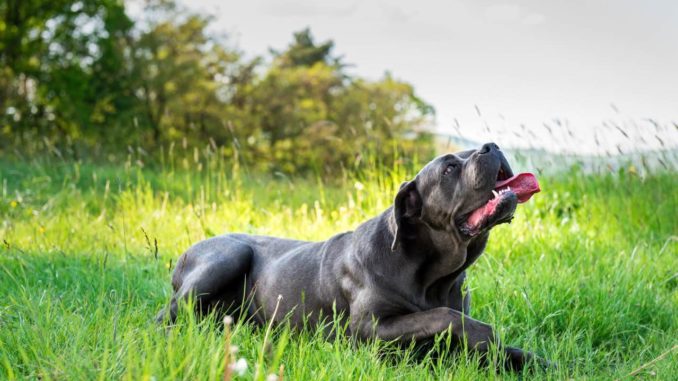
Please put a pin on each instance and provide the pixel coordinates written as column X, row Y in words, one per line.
column 450, row 167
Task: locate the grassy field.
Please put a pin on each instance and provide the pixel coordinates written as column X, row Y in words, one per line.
column 586, row 275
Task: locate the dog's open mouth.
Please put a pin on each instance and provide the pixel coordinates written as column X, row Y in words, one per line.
column 507, row 193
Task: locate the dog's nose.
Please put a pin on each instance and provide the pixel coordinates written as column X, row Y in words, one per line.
column 488, row 147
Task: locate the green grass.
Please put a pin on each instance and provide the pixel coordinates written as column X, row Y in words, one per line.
column 586, row 275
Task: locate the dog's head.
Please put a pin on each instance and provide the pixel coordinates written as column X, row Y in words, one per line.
column 464, row 194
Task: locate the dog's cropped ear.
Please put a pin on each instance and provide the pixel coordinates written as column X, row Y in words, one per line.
column 407, row 205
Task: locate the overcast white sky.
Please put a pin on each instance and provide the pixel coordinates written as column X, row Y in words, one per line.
column 520, row 62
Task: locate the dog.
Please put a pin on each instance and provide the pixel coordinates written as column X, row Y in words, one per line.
column 398, row 277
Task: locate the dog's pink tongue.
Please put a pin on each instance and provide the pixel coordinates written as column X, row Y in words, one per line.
column 524, row 185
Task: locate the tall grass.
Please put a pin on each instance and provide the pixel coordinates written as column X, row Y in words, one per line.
column 585, row 275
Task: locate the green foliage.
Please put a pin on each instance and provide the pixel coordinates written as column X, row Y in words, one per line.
column 91, row 81
column 584, row 275
column 314, row 117
column 60, row 65
column 305, row 52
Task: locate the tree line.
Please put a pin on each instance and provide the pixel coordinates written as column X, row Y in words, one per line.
column 85, row 75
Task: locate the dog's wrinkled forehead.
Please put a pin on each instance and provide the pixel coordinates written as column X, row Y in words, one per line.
column 470, row 171
column 428, row 176
column 445, row 159
column 433, row 171
column 465, row 177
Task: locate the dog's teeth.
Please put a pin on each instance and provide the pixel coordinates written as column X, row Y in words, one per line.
column 508, row 189
column 494, row 192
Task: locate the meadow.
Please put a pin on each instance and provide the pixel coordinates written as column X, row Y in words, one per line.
column 584, row 276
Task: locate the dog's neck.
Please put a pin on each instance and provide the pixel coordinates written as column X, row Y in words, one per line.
column 440, row 255
column 427, row 262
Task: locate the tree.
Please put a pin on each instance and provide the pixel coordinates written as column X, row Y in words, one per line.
column 82, row 74
column 303, row 51
column 55, row 56
column 315, row 117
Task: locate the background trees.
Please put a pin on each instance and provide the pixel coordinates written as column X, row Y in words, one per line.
column 83, row 75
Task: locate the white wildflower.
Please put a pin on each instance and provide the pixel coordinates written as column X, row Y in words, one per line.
column 240, row 366
column 228, row 320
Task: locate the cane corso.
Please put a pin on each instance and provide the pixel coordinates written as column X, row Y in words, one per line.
column 399, row 276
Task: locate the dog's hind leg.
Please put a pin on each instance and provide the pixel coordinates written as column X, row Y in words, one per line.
column 212, row 275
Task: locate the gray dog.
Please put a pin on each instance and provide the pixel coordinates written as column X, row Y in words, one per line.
column 399, row 276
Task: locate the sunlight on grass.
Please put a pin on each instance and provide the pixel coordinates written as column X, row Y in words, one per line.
column 585, row 275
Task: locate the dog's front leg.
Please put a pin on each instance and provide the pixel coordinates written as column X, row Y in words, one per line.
column 424, row 325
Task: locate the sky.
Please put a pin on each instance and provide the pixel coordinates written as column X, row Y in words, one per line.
column 490, row 67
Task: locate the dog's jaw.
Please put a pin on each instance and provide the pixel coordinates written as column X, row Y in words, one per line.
column 500, row 204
